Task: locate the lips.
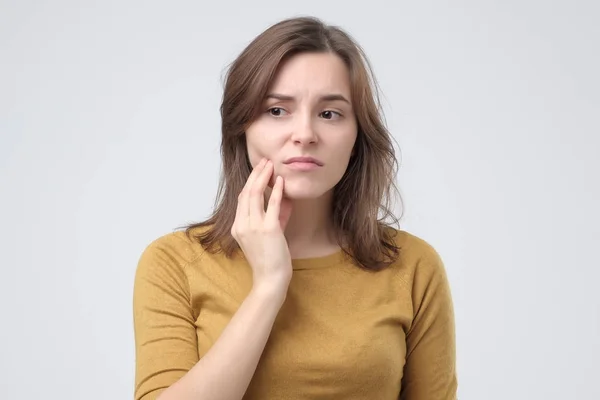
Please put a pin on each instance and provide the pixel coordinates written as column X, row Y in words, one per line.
column 303, row 160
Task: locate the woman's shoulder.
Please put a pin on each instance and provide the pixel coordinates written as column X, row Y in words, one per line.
column 415, row 251
column 176, row 248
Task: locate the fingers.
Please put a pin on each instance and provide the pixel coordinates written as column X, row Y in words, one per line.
column 243, row 198
column 274, row 206
column 257, row 194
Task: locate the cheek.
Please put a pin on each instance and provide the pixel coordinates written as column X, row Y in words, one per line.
column 346, row 146
column 261, row 145
column 259, row 148
column 253, row 156
column 255, row 151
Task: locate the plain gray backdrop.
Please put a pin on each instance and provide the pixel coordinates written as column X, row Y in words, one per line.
column 109, row 138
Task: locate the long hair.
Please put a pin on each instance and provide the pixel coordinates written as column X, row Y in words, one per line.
column 362, row 199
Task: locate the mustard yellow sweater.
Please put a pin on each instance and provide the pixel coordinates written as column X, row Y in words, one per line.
column 342, row 333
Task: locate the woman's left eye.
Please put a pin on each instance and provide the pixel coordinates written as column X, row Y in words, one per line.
column 330, row 114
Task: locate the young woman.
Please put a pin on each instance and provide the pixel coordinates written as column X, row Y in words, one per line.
column 296, row 287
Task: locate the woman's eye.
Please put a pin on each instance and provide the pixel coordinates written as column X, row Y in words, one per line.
column 329, row 114
column 276, row 111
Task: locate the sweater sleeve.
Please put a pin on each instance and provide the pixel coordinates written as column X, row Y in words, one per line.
column 165, row 338
column 430, row 369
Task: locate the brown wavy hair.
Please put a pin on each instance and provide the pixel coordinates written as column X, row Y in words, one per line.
column 362, row 199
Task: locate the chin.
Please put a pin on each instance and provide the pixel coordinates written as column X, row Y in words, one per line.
column 303, row 192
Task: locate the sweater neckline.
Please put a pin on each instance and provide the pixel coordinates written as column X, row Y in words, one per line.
column 325, row 261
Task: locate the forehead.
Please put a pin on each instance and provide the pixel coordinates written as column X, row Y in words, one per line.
column 308, row 73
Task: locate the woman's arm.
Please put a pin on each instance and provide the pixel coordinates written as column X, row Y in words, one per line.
column 165, row 325
column 167, row 365
column 430, row 369
column 224, row 373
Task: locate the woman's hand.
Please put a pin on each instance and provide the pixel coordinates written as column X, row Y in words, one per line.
column 260, row 233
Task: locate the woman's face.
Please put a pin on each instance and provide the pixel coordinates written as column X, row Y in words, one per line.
column 307, row 113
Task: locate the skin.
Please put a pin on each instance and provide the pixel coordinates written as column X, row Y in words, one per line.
column 307, row 112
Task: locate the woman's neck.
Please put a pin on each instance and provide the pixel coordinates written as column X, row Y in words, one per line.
column 309, row 231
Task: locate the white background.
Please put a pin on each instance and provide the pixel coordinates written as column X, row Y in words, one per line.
column 109, row 136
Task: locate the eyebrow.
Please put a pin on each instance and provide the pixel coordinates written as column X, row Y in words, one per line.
column 326, row 97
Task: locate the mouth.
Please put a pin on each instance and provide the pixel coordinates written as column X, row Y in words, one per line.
column 303, row 163
column 303, row 160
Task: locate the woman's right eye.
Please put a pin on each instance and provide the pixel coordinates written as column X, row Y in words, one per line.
column 276, row 111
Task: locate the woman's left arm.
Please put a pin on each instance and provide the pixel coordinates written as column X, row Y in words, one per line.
column 430, row 369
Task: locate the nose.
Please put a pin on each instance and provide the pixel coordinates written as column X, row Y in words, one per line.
column 303, row 131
